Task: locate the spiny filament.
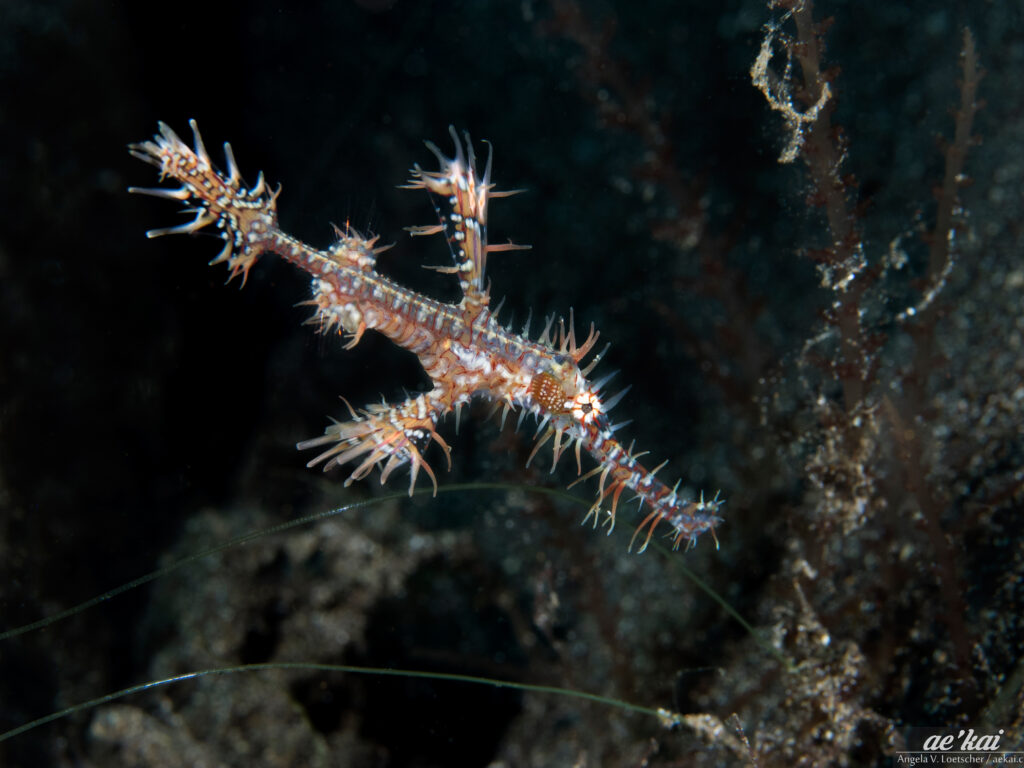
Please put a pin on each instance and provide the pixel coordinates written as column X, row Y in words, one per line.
column 463, row 349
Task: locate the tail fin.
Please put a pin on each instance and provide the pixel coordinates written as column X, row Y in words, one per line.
column 246, row 217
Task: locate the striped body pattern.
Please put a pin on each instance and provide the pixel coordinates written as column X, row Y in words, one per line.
column 464, row 350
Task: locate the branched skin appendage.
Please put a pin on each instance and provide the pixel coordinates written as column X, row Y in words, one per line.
column 462, row 347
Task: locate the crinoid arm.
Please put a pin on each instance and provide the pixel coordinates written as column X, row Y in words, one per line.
column 389, row 436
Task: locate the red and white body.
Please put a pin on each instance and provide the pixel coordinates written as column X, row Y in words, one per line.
column 463, row 349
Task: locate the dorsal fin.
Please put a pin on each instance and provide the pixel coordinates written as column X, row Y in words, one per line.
column 465, row 225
